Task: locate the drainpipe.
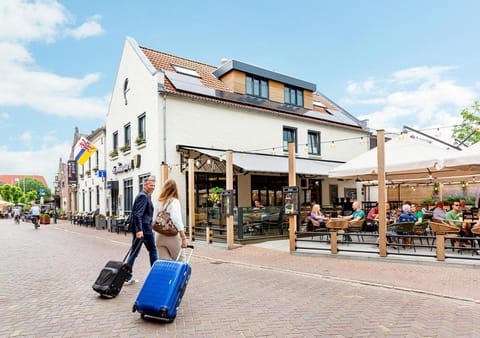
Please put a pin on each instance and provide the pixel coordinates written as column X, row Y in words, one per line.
column 165, row 128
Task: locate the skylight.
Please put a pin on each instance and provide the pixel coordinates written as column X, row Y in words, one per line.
column 186, row 71
column 319, row 104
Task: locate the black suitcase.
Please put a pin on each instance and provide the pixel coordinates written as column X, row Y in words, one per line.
column 113, row 275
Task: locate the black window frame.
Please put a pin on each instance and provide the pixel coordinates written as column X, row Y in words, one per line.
column 285, row 141
column 293, row 96
column 257, row 86
column 310, row 134
column 142, row 126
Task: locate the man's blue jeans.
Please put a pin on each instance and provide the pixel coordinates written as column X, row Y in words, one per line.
column 149, row 241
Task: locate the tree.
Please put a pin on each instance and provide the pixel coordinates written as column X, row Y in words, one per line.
column 30, row 184
column 469, row 129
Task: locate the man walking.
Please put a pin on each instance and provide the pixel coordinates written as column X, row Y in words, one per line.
column 141, row 225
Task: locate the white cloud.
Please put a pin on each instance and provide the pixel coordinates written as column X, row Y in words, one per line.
column 23, row 162
column 39, row 20
column 90, row 28
column 26, row 137
column 4, row 116
column 24, row 83
column 419, row 96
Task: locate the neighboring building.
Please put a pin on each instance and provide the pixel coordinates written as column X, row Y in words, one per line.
column 90, row 187
column 167, row 109
column 12, row 179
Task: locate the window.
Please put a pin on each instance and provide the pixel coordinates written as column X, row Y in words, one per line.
column 256, row 86
column 97, row 193
column 127, row 134
column 128, row 195
column 141, row 127
column 185, row 70
column 289, row 135
column 294, row 96
column 313, row 142
column 142, row 179
column 115, row 140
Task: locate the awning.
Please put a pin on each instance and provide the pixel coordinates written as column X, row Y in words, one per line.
column 254, row 162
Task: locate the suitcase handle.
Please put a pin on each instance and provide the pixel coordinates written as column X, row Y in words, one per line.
column 138, row 242
column 183, row 250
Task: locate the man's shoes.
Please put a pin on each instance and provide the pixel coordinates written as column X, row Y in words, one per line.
column 130, row 281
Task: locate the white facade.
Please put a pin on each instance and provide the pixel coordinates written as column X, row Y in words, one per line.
column 173, row 120
column 90, row 187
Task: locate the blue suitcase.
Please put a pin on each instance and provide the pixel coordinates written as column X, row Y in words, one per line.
column 163, row 289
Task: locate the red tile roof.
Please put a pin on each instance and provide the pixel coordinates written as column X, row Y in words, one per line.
column 164, row 61
column 10, row 179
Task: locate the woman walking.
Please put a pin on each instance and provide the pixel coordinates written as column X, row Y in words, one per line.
column 168, row 247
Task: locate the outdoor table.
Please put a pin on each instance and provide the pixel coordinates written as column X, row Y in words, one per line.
column 442, row 231
column 336, row 225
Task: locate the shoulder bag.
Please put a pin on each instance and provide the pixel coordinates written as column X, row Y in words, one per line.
column 163, row 222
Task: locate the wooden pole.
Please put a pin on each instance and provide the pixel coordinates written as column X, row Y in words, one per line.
column 229, row 218
column 191, row 198
column 382, row 226
column 292, row 181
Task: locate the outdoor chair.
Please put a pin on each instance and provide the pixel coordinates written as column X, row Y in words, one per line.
column 356, row 227
column 403, row 230
column 421, row 230
column 314, row 226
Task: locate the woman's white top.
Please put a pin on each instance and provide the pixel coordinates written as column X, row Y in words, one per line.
column 175, row 212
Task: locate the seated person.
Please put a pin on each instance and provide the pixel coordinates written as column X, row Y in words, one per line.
column 454, row 218
column 316, row 216
column 438, row 211
column 358, row 214
column 258, row 205
column 406, row 214
column 373, row 213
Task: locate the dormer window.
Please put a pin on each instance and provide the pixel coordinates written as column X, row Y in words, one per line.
column 256, row 86
column 294, row 96
column 185, row 70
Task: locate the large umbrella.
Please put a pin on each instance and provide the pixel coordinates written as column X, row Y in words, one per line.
column 468, row 158
column 406, row 158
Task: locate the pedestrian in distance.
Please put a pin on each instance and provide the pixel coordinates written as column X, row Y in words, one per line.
column 141, row 226
column 168, row 247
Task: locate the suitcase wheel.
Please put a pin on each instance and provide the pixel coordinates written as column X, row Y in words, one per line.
column 134, row 307
column 142, row 315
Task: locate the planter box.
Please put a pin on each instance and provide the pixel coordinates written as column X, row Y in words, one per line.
column 44, row 219
column 100, row 222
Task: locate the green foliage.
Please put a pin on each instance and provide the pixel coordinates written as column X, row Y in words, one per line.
column 429, row 201
column 33, row 185
column 470, row 126
column 450, row 199
column 214, row 194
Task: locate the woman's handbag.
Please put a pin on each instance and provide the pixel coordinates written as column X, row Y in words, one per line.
column 164, row 224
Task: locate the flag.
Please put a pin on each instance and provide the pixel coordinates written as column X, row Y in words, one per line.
column 83, row 150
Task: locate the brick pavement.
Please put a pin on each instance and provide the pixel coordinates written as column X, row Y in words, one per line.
column 246, row 292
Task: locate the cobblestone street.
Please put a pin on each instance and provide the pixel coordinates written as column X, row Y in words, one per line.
column 250, row 291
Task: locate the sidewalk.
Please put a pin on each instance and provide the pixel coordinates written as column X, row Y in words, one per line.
column 457, row 279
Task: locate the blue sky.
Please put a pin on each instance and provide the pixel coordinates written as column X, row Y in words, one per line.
column 395, row 63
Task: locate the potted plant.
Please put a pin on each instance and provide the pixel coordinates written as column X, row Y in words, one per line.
column 81, row 175
column 125, row 148
column 44, row 219
column 88, row 172
column 113, row 153
column 95, row 169
column 139, row 140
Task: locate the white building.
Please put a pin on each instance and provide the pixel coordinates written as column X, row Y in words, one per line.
column 167, row 109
